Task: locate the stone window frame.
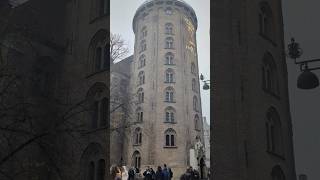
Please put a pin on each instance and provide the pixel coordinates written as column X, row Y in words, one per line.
column 170, row 94
column 169, row 43
column 141, row 78
column 137, row 136
column 170, row 138
column 169, row 76
column 195, row 103
column 143, row 46
column 270, row 77
column 142, row 61
column 169, row 29
column 169, row 58
column 266, row 22
column 136, row 159
column 140, row 94
column 139, row 112
column 170, row 114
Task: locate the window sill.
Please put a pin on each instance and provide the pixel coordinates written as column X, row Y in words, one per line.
column 170, row 147
column 168, row 122
column 170, row 101
column 171, row 34
column 276, row 155
column 170, row 64
column 169, row 82
column 267, row 38
column 142, row 51
column 136, row 144
column 168, row 48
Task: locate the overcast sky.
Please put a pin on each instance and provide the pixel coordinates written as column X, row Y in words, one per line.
column 121, row 16
column 301, row 20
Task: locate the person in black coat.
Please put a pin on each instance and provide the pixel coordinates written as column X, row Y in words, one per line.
column 159, row 174
column 147, row 174
column 131, row 174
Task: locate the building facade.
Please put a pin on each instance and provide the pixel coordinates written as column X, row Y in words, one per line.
column 206, row 134
column 252, row 132
column 164, row 82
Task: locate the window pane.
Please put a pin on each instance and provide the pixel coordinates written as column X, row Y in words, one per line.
column 95, row 115
column 167, row 140
column 172, row 140
column 104, row 110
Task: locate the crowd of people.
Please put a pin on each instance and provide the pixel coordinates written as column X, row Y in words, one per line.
column 162, row 173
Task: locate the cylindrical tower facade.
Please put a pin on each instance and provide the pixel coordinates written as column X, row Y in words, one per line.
column 167, row 109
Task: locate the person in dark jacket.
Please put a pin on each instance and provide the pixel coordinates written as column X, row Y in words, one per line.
column 147, row 174
column 165, row 172
column 159, row 174
column 187, row 175
column 153, row 174
column 170, row 174
column 131, row 174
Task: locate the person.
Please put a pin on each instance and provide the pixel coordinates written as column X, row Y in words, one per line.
column 196, row 175
column 115, row 172
column 131, row 173
column 147, row 174
column 170, row 174
column 187, row 175
column 159, row 174
column 165, row 172
column 153, row 174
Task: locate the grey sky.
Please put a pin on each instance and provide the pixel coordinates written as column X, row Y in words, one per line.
column 122, row 12
column 301, row 20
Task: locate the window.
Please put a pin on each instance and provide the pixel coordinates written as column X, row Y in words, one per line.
column 99, row 8
column 193, row 69
column 141, row 78
column 137, row 136
column 169, row 94
column 169, row 28
column 277, row 173
column 99, row 106
column 136, row 159
column 170, row 138
column 101, row 169
column 169, row 76
column 140, row 95
column 142, row 61
column 91, row 168
column 169, row 58
column 266, row 24
column 98, row 52
column 143, row 46
column 169, row 43
column 274, row 132
column 170, row 115
column 197, row 124
column 168, row 11
column 139, row 115
column 270, row 77
column 144, row 32
column 195, row 103
column 194, row 85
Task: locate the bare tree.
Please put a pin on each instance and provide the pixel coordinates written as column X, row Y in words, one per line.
column 118, row 47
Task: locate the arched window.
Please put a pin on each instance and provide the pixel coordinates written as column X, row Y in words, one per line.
column 169, row 92
column 144, row 32
column 139, row 114
column 169, row 43
column 141, row 78
column 196, row 122
column 193, row 68
column 136, row 159
column 195, row 103
column 143, row 45
column 170, row 115
column 266, row 21
column 168, row 11
column 194, row 87
column 277, row 173
column 270, row 76
column 170, row 138
column 169, row 58
column 98, row 58
column 142, row 61
column 101, row 169
column 99, row 104
column 91, row 168
column 169, row 28
column 140, row 95
column 137, row 137
column 274, row 132
column 92, row 163
column 169, row 76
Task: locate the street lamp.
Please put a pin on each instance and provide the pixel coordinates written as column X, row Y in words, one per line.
column 307, row 79
column 206, row 85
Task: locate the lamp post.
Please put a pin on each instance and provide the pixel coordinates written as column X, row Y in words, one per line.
column 206, row 84
column 307, row 79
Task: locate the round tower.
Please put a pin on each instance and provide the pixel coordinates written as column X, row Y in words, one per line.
column 167, row 107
